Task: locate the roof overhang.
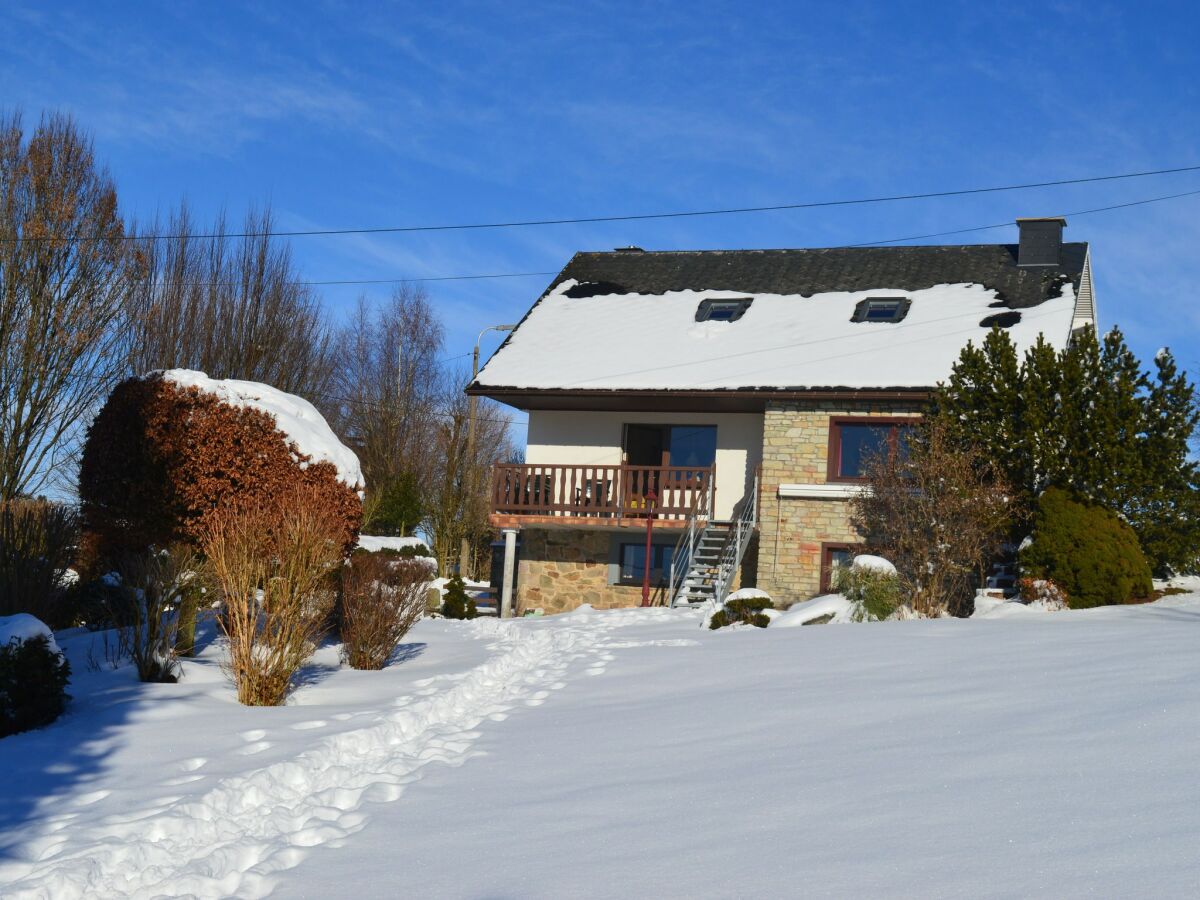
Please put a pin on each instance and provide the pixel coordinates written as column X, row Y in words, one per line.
column 731, row 400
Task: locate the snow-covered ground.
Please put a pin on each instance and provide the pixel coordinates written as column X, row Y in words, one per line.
column 632, row 753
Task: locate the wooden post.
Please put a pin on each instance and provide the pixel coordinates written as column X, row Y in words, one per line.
column 650, row 498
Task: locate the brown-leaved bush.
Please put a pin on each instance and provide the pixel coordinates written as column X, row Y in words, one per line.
column 382, row 599
column 162, row 462
column 940, row 514
column 271, row 562
column 37, row 544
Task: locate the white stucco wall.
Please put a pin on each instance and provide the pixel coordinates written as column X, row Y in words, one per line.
column 583, row 438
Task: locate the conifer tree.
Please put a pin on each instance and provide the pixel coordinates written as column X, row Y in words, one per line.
column 1087, row 419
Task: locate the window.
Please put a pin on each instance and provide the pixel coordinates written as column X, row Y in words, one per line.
column 722, row 310
column 671, row 445
column 855, row 441
column 833, row 558
column 881, row 309
column 632, row 563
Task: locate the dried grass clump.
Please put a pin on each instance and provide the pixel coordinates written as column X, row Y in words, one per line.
column 37, row 543
column 382, row 599
column 271, row 563
column 161, row 462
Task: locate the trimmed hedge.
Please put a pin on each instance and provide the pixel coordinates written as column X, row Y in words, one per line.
column 33, row 685
column 1087, row 551
column 161, row 460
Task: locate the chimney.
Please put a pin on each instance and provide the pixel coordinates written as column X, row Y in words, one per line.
column 1040, row 242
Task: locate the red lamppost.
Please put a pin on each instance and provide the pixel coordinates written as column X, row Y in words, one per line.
column 650, row 499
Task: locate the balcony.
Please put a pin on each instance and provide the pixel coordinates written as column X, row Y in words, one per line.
column 525, row 494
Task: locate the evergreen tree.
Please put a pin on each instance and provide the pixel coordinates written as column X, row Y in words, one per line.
column 1087, row 419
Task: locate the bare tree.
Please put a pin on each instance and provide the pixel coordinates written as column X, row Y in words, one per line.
column 387, row 389
column 233, row 307
column 940, row 514
column 458, row 501
column 66, row 274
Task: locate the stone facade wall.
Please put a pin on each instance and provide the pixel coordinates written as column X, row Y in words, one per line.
column 562, row 569
column 792, row 530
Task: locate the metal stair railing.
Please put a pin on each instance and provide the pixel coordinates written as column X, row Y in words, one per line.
column 689, row 541
column 736, row 543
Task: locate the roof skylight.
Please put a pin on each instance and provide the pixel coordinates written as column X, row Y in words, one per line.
column 723, row 310
column 881, row 309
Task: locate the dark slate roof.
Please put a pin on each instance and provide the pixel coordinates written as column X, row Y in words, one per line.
column 817, row 271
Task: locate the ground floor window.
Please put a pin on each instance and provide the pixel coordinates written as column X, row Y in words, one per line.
column 632, row 563
column 833, row 558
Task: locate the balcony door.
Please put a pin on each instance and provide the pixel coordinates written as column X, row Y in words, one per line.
column 670, row 445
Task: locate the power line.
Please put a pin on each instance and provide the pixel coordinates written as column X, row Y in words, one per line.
column 1082, row 212
column 629, row 217
column 371, row 404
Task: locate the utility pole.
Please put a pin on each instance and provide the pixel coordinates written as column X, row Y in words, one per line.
column 464, row 555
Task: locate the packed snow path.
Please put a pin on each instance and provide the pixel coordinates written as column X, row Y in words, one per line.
column 235, row 837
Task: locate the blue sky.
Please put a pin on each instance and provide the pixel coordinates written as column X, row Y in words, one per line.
column 344, row 115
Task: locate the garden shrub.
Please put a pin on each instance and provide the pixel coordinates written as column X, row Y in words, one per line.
column 155, row 589
column 458, row 604
column 412, row 551
column 381, row 599
column 876, row 593
column 271, row 564
column 38, row 541
column 33, row 683
column 1087, row 551
column 161, row 461
column 742, row 610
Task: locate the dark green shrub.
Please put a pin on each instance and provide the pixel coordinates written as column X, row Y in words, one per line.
column 746, row 610
column 33, row 685
column 457, row 604
column 1087, row 551
column 410, row 552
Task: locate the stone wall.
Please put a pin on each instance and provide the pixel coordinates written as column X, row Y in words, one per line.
column 792, row 530
column 562, row 569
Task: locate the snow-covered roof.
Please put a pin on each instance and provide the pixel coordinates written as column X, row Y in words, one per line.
column 294, row 416
column 627, row 320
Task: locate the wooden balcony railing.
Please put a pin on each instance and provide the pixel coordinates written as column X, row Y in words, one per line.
column 601, row 492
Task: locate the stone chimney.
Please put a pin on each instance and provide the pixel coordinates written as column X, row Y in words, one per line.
column 1040, row 242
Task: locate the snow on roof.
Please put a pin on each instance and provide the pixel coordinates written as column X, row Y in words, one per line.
column 374, row 543
column 782, row 341
column 294, row 416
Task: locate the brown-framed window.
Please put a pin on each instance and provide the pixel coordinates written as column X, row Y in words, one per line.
column 853, row 440
column 833, row 557
column 670, row 445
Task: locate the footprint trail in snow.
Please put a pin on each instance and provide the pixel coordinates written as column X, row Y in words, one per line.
column 232, row 839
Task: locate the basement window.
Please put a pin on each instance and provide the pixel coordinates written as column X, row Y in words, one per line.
column 722, row 310
column 881, row 309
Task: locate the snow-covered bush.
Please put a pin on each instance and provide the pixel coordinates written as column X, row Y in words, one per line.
column 872, row 585
column 172, row 450
column 744, row 607
column 33, row 675
column 381, row 599
column 1087, row 551
column 158, row 591
column 272, row 563
column 37, row 545
column 457, row 603
column 1043, row 593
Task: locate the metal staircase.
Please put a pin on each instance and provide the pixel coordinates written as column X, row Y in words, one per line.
column 710, row 551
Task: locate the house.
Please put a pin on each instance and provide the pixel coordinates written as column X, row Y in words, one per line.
column 720, row 403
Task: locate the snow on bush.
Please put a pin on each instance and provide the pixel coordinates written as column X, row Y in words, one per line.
column 1043, row 593
column 171, row 449
column 873, row 564
column 749, row 606
column 33, row 675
